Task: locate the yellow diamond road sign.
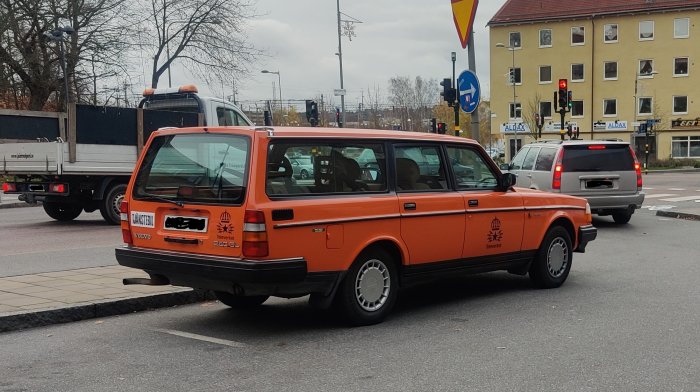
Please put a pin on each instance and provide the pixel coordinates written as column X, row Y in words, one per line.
column 464, row 11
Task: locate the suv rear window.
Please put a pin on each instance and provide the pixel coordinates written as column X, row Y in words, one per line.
column 195, row 168
column 598, row 157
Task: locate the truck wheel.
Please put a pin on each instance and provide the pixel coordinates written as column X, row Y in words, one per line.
column 553, row 260
column 622, row 217
column 109, row 208
column 369, row 289
column 240, row 301
column 62, row 211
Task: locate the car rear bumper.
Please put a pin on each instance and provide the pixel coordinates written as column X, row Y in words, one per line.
column 611, row 202
column 586, row 234
column 285, row 277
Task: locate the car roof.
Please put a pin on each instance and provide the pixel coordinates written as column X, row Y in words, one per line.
column 557, row 142
column 294, row 132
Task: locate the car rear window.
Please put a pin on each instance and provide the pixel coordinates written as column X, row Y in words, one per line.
column 598, row 157
column 202, row 168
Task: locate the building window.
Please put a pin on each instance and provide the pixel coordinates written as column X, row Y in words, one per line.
column 680, row 66
column 610, row 68
column 610, row 33
column 577, row 72
column 610, row 107
column 577, row 109
column 680, row 105
column 545, row 74
column 646, row 67
column 545, row 38
column 515, row 76
column 645, row 104
column 515, row 110
column 681, row 28
column 646, row 30
column 546, row 109
column 685, row 146
column 578, row 35
column 514, row 40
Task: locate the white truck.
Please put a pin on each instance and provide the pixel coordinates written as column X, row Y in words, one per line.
column 82, row 160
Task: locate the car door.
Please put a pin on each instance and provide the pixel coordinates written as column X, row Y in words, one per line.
column 542, row 173
column 495, row 219
column 525, row 177
column 432, row 214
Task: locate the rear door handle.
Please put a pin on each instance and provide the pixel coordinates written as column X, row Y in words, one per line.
column 409, row 206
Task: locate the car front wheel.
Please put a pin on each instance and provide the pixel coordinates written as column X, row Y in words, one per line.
column 553, row 260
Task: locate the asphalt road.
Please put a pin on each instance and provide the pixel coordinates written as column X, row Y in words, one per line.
column 628, row 319
column 31, row 242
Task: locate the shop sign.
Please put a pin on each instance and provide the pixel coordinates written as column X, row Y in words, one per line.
column 515, row 128
column 685, row 123
column 616, row 125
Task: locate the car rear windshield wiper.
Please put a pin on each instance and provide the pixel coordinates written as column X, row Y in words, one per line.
column 176, row 202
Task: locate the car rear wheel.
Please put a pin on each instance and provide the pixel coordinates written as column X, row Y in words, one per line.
column 240, row 301
column 62, row 211
column 553, row 260
column 369, row 289
column 304, row 174
column 109, row 208
column 622, row 217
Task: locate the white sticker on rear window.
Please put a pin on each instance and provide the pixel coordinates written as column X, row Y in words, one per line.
column 143, row 219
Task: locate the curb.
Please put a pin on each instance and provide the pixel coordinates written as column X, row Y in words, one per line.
column 678, row 215
column 32, row 319
column 662, row 171
column 18, row 205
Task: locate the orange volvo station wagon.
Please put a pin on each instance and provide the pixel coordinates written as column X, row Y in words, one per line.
column 222, row 209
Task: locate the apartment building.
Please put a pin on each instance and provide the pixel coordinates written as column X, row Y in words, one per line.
column 629, row 64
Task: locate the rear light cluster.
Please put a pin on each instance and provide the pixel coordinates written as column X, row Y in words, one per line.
column 558, row 169
column 9, row 187
column 637, row 169
column 58, row 188
column 254, row 234
column 124, row 215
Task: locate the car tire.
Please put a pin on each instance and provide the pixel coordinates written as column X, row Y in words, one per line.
column 304, row 174
column 552, row 263
column 240, row 301
column 369, row 290
column 622, row 218
column 109, row 207
column 62, row 212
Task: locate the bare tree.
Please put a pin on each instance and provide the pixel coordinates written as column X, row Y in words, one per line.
column 207, row 36
column 374, row 108
column 413, row 100
column 533, row 107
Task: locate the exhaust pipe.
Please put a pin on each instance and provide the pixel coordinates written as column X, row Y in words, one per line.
column 154, row 280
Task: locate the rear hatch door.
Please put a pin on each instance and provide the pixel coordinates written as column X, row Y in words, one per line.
column 598, row 169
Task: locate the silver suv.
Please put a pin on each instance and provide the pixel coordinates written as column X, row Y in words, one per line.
column 604, row 172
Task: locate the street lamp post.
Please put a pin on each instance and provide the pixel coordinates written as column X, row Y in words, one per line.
column 512, row 82
column 279, row 83
column 57, row 35
column 340, row 61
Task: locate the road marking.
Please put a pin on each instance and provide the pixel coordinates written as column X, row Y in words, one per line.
column 647, row 189
column 676, row 189
column 684, row 198
column 203, row 338
column 659, row 195
column 657, row 208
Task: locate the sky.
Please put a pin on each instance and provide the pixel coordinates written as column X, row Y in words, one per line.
column 396, row 38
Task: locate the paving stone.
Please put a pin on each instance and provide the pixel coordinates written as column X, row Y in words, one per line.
column 30, row 289
column 24, row 301
column 42, row 306
column 56, row 283
column 29, row 278
column 6, row 284
column 78, row 298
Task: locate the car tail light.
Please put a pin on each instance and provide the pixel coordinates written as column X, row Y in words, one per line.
column 57, row 188
column 254, row 234
column 9, row 187
column 126, row 229
column 637, row 169
column 596, row 147
column 558, row 169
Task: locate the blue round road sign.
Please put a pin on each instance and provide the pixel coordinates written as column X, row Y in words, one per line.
column 469, row 91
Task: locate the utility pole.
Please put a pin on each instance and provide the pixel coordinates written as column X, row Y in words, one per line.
column 454, row 85
column 472, row 67
column 340, row 59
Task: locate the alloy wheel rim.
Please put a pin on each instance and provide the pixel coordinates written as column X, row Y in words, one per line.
column 557, row 257
column 372, row 285
column 116, row 204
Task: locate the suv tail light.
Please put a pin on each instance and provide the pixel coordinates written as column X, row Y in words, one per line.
column 637, row 169
column 558, row 169
column 254, row 234
column 124, row 215
column 9, row 187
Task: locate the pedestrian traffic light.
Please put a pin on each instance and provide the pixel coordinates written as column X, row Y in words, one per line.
column 433, row 125
column 441, row 128
column 312, row 112
column 563, row 94
column 448, row 93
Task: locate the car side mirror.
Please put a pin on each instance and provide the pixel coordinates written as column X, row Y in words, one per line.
column 505, row 166
column 507, row 181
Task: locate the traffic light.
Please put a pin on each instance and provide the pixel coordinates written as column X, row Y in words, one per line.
column 441, row 128
column 433, row 125
column 563, row 94
column 448, row 93
column 312, row 112
column 570, row 100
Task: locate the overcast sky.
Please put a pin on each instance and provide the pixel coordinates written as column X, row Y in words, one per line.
column 396, row 38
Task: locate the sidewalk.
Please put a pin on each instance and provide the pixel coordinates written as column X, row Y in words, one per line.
column 12, row 201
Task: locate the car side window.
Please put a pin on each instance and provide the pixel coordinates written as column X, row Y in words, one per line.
column 517, row 162
column 545, row 159
column 529, row 160
column 228, row 116
column 419, row 168
column 470, row 169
